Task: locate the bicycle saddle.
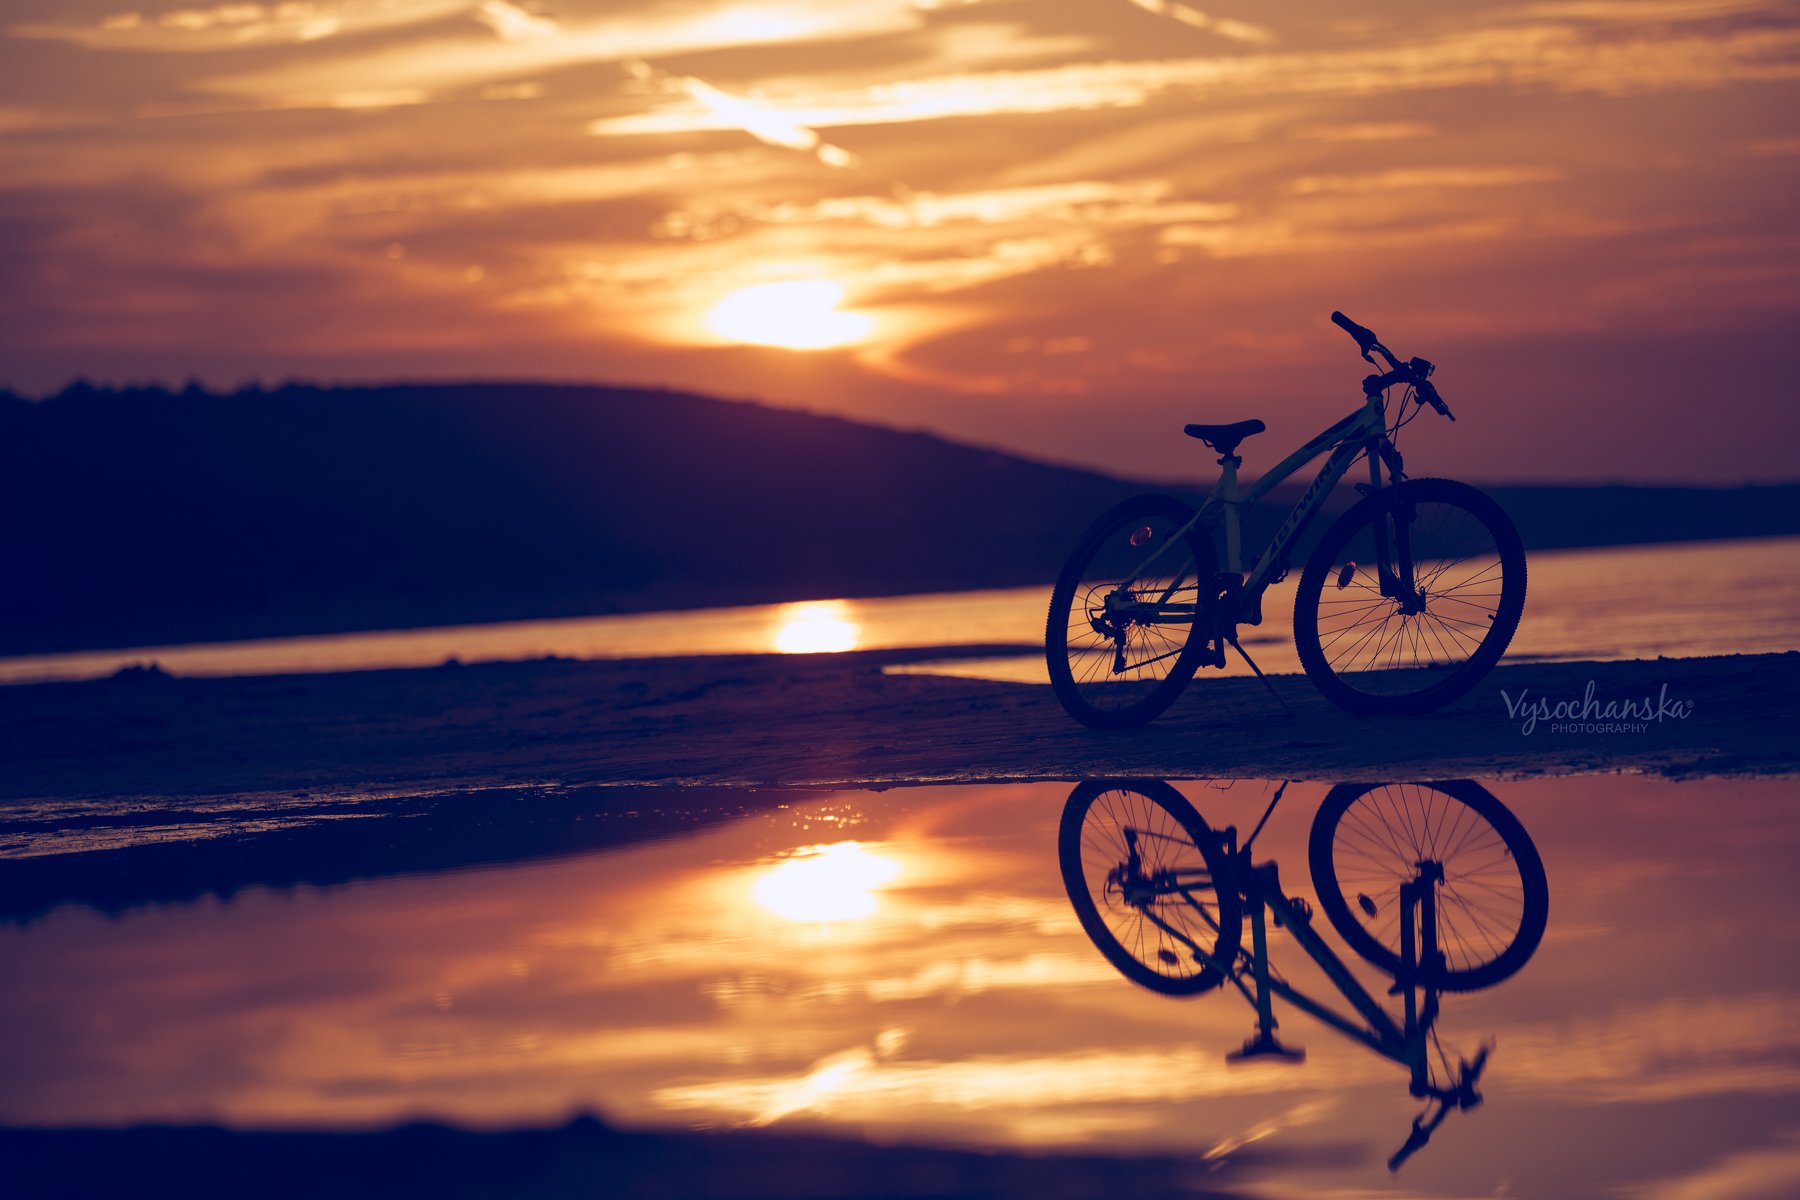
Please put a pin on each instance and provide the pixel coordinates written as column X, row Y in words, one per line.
column 1224, row 438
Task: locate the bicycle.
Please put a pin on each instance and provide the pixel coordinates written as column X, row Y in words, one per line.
column 1451, row 896
column 1408, row 599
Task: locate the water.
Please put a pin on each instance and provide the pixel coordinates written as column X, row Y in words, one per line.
column 1680, row 600
column 907, row 967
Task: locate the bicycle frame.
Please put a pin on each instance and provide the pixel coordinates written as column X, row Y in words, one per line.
column 1404, row 1042
column 1363, row 430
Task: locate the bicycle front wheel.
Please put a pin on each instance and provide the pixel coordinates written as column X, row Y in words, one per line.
column 1144, row 874
column 1493, row 903
column 1122, row 637
column 1410, row 598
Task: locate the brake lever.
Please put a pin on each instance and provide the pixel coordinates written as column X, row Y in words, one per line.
column 1429, row 395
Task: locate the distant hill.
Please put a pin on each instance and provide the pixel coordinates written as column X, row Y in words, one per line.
column 141, row 516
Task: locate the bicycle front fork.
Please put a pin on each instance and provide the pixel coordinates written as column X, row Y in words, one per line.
column 1420, row 963
column 1393, row 540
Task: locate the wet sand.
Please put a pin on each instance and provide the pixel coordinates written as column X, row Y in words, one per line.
column 827, row 720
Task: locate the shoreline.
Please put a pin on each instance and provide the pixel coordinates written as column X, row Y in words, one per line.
column 826, row 720
column 125, row 650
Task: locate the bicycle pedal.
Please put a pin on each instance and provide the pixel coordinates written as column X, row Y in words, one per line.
column 1266, row 1046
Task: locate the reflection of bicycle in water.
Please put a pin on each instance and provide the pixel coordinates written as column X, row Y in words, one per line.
column 1437, row 884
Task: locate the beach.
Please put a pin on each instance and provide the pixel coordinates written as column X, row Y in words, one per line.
column 687, row 921
column 833, row 720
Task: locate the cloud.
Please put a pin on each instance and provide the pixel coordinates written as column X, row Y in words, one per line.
column 765, row 125
column 235, row 25
column 1086, row 202
column 1635, row 12
column 513, row 24
column 1556, row 57
column 1367, row 131
column 1226, row 27
column 1424, row 177
column 527, row 46
column 1776, row 147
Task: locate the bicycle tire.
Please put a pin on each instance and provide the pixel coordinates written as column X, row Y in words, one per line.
column 1390, row 679
column 1075, row 653
column 1091, row 836
column 1510, row 892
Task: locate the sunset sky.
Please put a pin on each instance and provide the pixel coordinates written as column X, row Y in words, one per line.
column 1061, row 227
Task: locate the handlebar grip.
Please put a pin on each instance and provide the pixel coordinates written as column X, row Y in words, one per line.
column 1365, row 338
column 1413, row 1143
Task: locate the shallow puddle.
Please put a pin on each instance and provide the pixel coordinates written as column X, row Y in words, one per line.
column 908, row 966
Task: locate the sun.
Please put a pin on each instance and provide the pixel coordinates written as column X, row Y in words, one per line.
column 799, row 314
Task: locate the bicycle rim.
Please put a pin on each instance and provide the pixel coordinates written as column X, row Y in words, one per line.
column 1143, row 873
column 1493, row 903
column 1367, row 651
column 1119, row 637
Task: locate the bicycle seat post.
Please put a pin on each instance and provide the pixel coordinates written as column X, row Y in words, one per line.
column 1264, row 1044
column 1228, row 495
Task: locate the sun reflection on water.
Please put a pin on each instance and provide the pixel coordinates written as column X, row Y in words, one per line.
column 815, row 627
column 825, row 883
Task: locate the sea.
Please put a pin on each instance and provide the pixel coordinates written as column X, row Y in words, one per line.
column 1676, row 600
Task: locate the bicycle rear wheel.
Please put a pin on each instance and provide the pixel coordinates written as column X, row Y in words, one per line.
column 1370, row 838
column 1369, row 651
column 1122, row 636
column 1143, row 872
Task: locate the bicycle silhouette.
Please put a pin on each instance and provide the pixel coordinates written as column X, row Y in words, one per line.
column 1437, row 884
column 1407, row 601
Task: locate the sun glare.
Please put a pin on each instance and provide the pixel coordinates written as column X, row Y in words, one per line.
column 825, row 883
column 815, row 627
column 800, row 314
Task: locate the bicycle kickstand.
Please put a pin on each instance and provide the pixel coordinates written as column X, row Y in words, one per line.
column 1251, row 663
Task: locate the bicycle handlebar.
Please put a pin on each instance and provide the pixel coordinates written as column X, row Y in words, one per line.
column 1416, row 373
column 1461, row 1096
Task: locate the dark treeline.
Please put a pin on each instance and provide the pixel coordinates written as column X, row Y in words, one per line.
column 139, row 515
